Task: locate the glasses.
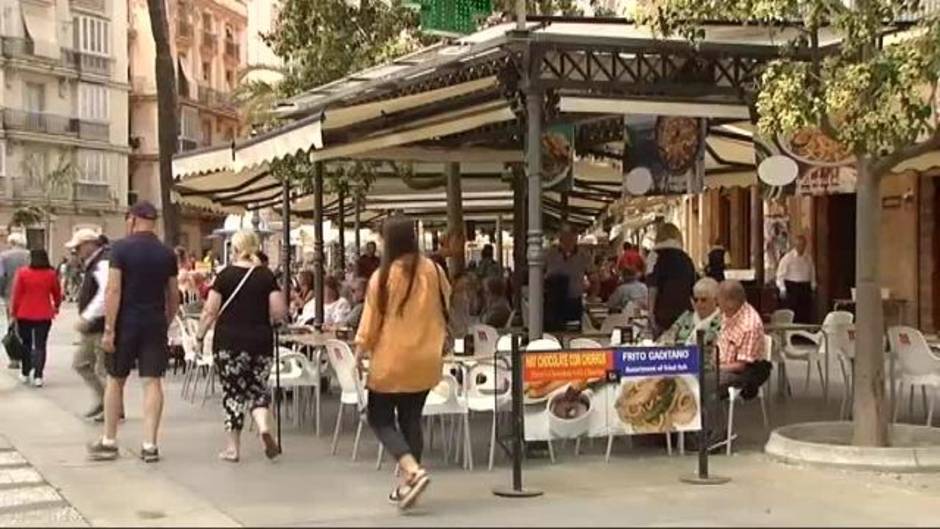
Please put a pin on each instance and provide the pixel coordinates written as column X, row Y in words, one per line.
column 700, row 300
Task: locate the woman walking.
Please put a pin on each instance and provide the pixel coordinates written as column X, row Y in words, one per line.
column 37, row 296
column 244, row 303
column 402, row 331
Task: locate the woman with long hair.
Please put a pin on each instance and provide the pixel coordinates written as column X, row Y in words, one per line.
column 672, row 278
column 37, row 296
column 402, row 331
column 244, row 304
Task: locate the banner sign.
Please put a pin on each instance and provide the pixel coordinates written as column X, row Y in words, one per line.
column 614, row 391
column 669, row 149
column 825, row 167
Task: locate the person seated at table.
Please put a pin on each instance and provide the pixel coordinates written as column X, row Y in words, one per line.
column 705, row 315
column 358, row 295
column 631, row 291
column 303, row 293
column 461, row 305
column 335, row 307
column 740, row 343
column 496, row 311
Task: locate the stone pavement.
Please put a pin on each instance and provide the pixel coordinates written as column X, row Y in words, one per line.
column 308, row 487
column 26, row 499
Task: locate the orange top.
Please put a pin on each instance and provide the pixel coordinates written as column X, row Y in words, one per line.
column 405, row 350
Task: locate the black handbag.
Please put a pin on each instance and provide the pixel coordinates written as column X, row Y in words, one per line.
column 13, row 344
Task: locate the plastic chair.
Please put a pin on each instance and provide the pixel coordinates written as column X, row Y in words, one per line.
column 352, row 391
column 447, row 400
column 485, row 339
column 612, row 321
column 918, row 366
column 300, row 376
column 735, row 393
column 584, row 343
column 815, row 351
column 842, row 341
column 546, row 336
column 775, row 354
column 489, row 389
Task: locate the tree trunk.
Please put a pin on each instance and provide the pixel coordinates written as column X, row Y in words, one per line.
column 869, row 409
column 167, row 119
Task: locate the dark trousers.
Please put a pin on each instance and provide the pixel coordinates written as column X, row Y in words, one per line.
column 800, row 301
column 34, row 334
column 405, row 438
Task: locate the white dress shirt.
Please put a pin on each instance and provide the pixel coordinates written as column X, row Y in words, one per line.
column 797, row 268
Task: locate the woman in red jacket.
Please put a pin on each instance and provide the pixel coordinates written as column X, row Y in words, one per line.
column 35, row 301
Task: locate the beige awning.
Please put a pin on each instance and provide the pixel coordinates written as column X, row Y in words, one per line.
column 40, row 27
column 297, row 137
column 626, row 106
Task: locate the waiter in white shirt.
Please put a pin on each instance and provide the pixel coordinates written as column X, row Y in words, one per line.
column 796, row 279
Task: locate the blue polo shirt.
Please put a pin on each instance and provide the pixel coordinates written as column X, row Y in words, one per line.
column 146, row 266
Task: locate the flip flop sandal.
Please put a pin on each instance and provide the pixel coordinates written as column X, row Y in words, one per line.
column 271, row 450
column 419, row 482
column 229, row 457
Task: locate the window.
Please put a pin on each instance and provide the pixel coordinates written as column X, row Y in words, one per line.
column 207, row 132
column 92, row 102
column 189, row 123
column 93, row 167
column 229, row 34
column 230, row 79
column 92, row 35
column 207, row 22
column 35, row 97
column 207, row 72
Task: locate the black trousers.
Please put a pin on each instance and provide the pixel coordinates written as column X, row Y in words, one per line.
column 34, row 334
column 800, row 301
column 405, row 438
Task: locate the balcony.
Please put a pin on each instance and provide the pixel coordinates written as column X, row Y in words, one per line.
column 184, row 31
column 31, row 188
column 97, row 6
column 231, row 50
column 92, row 192
column 88, row 63
column 40, row 122
column 210, row 41
column 215, row 99
column 91, row 130
column 16, row 47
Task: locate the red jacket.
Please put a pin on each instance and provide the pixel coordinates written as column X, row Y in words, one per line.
column 36, row 294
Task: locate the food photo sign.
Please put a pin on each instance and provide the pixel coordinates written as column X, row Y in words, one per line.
column 614, row 391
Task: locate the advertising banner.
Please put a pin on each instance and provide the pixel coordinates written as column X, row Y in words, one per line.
column 614, row 391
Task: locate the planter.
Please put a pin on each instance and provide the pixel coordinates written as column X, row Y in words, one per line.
column 914, row 448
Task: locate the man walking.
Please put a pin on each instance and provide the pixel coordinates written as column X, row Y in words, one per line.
column 796, row 279
column 11, row 260
column 142, row 297
column 89, row 357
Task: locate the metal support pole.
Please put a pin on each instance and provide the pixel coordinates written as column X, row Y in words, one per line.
column 499, row 241
column 455, row 224
column 757, row 237
column 318, row 258
column 342, row 230
column 356, row 225
column 518, row 238
column 706, row 397
column 536, row 254
column 285, row 233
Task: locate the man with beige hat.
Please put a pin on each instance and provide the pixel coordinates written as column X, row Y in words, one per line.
column 89, row 357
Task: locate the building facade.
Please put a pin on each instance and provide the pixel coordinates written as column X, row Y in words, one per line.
column 207, row 41
column 64, row 142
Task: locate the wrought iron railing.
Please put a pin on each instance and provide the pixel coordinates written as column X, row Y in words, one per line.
column 37, row 122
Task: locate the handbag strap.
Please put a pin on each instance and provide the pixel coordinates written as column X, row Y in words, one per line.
column 235, row 292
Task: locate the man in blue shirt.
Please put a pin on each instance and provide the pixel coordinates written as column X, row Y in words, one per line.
column 142, row 297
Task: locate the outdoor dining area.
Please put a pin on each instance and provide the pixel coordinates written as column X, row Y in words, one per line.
column 471, row 116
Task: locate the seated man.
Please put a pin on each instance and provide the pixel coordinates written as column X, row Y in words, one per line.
column 631, row 292
column 740, row 343
column 358, row 298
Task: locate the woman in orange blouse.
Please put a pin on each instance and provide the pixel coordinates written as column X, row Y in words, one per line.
column 403, row 329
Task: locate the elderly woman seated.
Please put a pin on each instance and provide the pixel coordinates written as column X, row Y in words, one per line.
column 705, row 316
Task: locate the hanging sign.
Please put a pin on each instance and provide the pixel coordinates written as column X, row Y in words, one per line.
column 668, row 150
column 824, row 166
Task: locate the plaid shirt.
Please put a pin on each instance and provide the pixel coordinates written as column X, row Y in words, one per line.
column 742, row 337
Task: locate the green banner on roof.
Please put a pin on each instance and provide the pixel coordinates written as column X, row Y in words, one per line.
column 452, row 17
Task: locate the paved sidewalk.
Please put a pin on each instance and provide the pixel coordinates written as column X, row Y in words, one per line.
column 309, row 487
column 26, row 499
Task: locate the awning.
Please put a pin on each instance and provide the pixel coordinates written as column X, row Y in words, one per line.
column 40, row 28
column 602, row 105
column 299, row 136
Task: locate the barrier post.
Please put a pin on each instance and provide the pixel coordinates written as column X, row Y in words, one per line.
column 702, row 477
column 516, row 490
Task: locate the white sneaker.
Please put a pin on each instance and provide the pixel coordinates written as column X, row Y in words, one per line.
column 23, row 378
column 37, row 383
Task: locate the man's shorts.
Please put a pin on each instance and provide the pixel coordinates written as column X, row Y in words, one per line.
column 140, row 344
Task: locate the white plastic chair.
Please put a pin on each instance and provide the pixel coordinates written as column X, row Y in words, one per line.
column 584, row 343
column 735, row 393
column 842, row 341
column 918, row 366
column 447, row 400
column 489, row 389
column 300, row 376
column 485, row 339
column 815, row 351
column 352, row 391
column 612, row 321
column 512, row 316
column 546, row 336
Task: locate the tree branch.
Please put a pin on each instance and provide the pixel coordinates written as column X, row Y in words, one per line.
column 880, row 166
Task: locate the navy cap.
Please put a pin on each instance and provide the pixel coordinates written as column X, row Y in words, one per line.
column 143, row 210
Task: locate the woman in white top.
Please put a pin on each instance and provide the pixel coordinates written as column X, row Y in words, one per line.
column 335, row 307
column 705, row 316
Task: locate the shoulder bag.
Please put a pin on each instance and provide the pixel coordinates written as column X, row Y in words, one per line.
column 228, row 301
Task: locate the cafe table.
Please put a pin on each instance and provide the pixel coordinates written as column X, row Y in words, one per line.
column 781, row 330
